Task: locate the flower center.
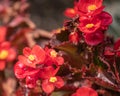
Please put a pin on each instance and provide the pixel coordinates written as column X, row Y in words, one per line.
column 31, row 57
column 3, row 54
column 92, row 7
column 52, row 79
column 72, row 11
column 89, row 25
column 53, row 53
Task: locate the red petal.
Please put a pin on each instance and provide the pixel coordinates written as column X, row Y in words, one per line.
column 2, row 65
column 23, row 59
column 12, row 54
column 47, row 87
column 59, row 83
column 26, row 51
column 85, row 91
column 39, row 52
column 3, row 30
column 94, row 38
column 5, row 45
column 106, row 18
column 48, row 72
column 19, row 70
column 31, row 81
column 59, row 60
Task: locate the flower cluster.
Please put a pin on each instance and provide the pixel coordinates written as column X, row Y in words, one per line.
column 93, row 21
column 37, row 65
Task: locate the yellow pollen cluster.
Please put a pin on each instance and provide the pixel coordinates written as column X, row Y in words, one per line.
column 31, row 57
column 52, row 79
column 53, row 53
column 72, row 11
column 3, row 54
column 89, row 25
column 92, row 7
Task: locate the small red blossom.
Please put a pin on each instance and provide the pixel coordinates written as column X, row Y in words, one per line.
column 74, row 37
column 89, row 25
column 53, row 57
column 50, row 81
column 89, row 7
column 70, row 12
column 32, row 57
column 48, row 85
column 85, row 91
column 95, row 38
column 6, row 54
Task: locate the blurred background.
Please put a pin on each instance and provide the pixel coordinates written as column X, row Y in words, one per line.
column 46, row 15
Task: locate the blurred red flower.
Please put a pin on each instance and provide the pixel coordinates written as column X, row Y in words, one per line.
column 7, row 53
column 85, row 91
column 70, row 12
column 3, row 31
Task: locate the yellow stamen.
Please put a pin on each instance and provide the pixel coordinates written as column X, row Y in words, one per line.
column 60, row 29
column 31, row 57
column 92, row 7
column 53, row 53
column 89, row 25
column 3, row 54
column 52, row 79
column 72, row 11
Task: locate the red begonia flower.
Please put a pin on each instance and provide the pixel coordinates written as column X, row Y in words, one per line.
column 48, row 85
column 89, row 25
column 53, row 57
column 70, row 12
column 32, row 57
column 85, row 91
column 89, row 7
column 7, row 54
column 94, row 38
column 50, row 81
